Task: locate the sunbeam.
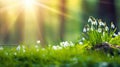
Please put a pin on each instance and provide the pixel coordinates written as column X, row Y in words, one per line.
column 31, row 13
column 28, row 4
column 41, row 5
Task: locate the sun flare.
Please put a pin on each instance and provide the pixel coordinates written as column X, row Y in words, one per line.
column 28, row 4
column 30, row 13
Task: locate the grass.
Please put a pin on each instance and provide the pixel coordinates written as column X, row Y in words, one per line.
column 67, row 54
column 49, row 57
column 97, row 31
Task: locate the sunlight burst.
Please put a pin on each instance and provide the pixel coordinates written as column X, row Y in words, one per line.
column 27, row 12
column 28, row 4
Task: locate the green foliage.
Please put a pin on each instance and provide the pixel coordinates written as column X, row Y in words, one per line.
column 115, row 41
column 97, row 31
column 66, row 56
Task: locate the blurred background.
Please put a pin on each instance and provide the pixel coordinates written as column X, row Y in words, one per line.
column 51, row 21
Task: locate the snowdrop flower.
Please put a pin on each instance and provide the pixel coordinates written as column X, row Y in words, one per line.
column 99, row 30
column 81, row 43
column 106, row 28
column 64, row 44
column 90, row 19
column 84, row 30
column 83, row 38
column 112, row 25
column 88, row 29
column 36, row 46
column 56, row 47
column 18, row 48
column 94, row 22
column 1, row 48
column 118, row 33
column 106, row 42
column 59, row 47
column 115, row 34
column 101, row 23
column 38, row 42
column 103, row 64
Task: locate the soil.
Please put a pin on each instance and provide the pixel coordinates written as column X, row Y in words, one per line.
column 107, row 48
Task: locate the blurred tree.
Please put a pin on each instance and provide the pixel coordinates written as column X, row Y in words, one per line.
column 89, row 8
column 107, row 11
column 4, row 25
column 62, row 7
column 85, row 13
column 19, row 27
column 41, row 21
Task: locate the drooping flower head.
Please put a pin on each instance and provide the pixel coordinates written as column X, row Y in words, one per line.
column 101, row 23
column 118, row 33
column 112, row 25
column 106, row 28
column 18, row 48
column 92, row 20
column 84, row 29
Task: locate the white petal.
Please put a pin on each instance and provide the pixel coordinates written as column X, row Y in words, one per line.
column 84, row 30
column 80, row 43
column 1, row 48
column 38, row 42
column 118, row 33
column 106, row 28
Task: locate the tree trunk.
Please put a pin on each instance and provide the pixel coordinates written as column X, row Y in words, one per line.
column 85, row 14
column 41, row 21
column 107, row 11
column 62, row 18
column 4, row 27
column 19, row 28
